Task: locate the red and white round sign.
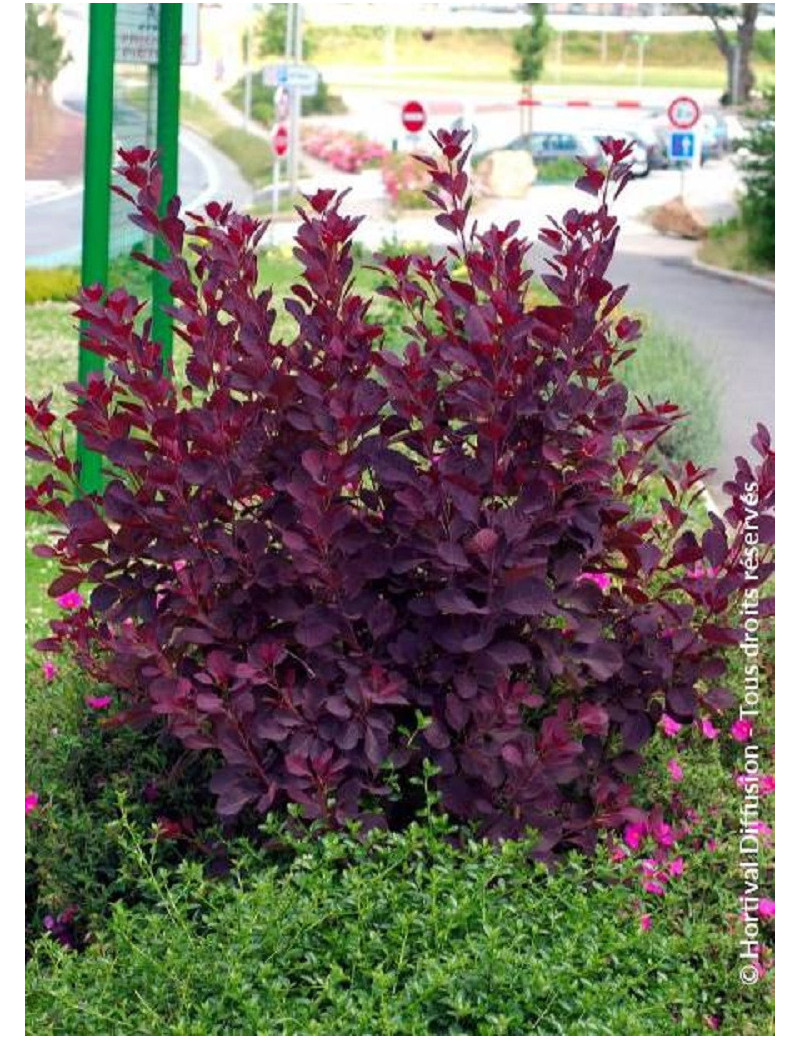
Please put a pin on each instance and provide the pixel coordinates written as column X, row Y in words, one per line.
column 683, row 112
column 414, row 116
column 280, row 139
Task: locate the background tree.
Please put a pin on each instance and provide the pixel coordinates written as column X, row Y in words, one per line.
column 758, row 204
column 530, row 44
column 45, row 50
column 734, row 27
column 270, row 34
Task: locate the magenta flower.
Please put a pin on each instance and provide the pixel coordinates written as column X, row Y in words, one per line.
column 675, row 770
column 31, row 801
column 70, row 600
column 711, row 845
column 646, row 922
column 664, row 835
column 97, row 702
column 633, row 834
column 708, row 730
column 767, row 785
column 602, row 581
column 676, row 867
column 742, row 730
column 49, row 670
column 618, row 854
column 766, row 908
column 654, row 888
column 670, row 726
column 712, row 1021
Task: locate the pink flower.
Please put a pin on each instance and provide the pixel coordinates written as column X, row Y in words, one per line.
column 712, row 1021
column 699, row 571
column 49, row 670
column 670, row 726
column 761, row 828
column 711, row 845
column 97, row 702
column 633, row 834
column 676, row 867
column 618, row 854
column 70, row 600
column 675, row 770
column 178, row 566
column 646, row 921
column 742, row 730
column 767, row 785
column 708, row 730
column 766, row 908
column 663, row 835
column 654, row 888
column 602, row 581
column 31, row 801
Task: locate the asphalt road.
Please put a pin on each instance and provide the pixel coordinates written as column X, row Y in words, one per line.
column 53, row 227
column 730, row 325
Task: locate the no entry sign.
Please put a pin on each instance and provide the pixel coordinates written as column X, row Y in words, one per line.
column 280, row 139
column 414, row 116
column 683, row 113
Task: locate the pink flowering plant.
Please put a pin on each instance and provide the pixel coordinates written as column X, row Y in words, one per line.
column 391, row 558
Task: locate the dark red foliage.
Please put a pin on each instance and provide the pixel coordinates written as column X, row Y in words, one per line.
column 319, row 558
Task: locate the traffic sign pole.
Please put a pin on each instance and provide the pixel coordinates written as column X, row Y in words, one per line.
column 96, row 196
column 684, row 113
column 168, row 121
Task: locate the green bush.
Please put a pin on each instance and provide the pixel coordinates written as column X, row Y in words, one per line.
column 51, row 283
column 59, row 284
column 758, row 203
column 558, row 170
column 400, row 935
column 262, row 103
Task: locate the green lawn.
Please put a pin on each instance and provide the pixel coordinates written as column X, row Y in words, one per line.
column 685, row 59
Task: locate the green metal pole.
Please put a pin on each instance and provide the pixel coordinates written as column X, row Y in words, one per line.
column 168, row 120
column 96, row 193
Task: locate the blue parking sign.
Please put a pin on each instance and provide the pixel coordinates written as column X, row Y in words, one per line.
column 681, row 145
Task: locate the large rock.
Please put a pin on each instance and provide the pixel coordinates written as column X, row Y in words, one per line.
column 506, row 174
column 676, row 218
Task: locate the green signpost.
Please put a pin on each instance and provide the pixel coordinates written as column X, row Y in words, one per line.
column 98, row 162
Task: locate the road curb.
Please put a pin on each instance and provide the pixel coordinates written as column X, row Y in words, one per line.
column 764, row 284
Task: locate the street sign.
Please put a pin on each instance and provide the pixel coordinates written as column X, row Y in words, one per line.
column 137, row 34
column 683, row 113
column 682, row 145
column 302, row 78
column 280, row 139
column 414, row 116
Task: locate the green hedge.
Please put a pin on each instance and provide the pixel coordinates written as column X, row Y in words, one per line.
column 403, row 935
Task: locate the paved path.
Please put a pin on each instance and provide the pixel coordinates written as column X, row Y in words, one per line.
column 731, row 327
column 53, row 222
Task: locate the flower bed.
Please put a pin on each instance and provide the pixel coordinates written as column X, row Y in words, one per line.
column 347, row 152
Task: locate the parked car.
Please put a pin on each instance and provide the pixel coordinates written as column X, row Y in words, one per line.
column 548, row 145
column 640, row 159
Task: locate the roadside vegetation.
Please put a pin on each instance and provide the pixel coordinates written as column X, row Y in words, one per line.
column 747, row 242
column 685, row 59
column 392, row 867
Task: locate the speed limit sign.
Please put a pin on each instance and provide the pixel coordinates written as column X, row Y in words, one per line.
column 683, row 112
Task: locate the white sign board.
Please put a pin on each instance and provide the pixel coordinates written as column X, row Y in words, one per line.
column 302, row 78
column 137, row 34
